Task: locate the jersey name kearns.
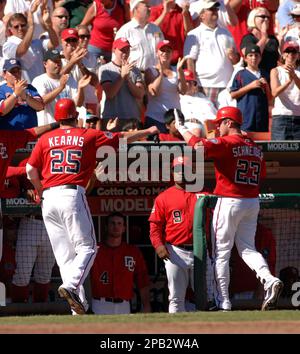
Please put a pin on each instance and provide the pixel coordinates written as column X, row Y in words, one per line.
column 66, row 140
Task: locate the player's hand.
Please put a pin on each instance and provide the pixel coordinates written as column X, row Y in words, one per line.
column 153, row 130
column 162, row 252
column 179, row 123
column 112, row 123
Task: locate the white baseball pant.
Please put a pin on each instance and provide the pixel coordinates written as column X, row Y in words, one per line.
column 235, row 221
column 180, row 273
column 102, row 307
column 71, row 231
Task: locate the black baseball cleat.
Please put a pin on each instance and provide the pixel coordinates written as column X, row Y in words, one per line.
column 272, row 296
column 73, row 300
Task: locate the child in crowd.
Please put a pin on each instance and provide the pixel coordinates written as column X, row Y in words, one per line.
column 252, row 92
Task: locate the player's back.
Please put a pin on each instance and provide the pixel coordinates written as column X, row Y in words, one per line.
column 238, row 165
column 67, row 156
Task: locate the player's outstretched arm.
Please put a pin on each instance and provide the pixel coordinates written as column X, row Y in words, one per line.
column 45, row 128
column 139, row 134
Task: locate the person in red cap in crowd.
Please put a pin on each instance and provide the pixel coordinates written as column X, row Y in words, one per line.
column 171, row 233
column 175, row 22
column 164, row 83
column 285, row 87
column 75, row 61
column 60, row 166
column 123, row 85
column 252, row 92
column 239, row 167
column 197, row 109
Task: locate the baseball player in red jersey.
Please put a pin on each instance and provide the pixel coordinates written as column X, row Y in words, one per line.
column 171, row 234
column 239, row 165
column 66, row 158
column 8, row 146
column 116, row 268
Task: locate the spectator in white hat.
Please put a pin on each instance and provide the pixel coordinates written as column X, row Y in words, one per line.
column 211, row 51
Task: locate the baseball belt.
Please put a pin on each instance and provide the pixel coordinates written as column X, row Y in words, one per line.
column 115, row 300
column 64, row 186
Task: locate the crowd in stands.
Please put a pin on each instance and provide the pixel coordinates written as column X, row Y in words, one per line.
column 128, row 64
column 136, row 59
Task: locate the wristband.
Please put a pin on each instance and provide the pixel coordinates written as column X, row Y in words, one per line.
column 182, row 129
column 15, row 95
column 54, row 125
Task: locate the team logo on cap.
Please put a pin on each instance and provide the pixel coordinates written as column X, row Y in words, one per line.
column 12, row 61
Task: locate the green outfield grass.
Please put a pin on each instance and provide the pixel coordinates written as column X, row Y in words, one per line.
column 291, row 315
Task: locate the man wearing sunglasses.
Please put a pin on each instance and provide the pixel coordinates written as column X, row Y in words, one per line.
column 76, row 63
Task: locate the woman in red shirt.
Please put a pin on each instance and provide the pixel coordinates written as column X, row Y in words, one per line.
column 106, row 17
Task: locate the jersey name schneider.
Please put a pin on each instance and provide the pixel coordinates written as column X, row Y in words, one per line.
column 244, row 150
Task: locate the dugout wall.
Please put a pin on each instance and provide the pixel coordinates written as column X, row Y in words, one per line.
column 279, row 213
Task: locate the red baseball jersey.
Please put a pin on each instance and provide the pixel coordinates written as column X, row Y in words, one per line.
column 239, row 165
column 171, row 219
column 9, row 142
column 115, row 269
column 11, row 183
column 68, row 156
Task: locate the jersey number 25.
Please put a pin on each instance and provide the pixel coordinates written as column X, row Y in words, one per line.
column 65, row 161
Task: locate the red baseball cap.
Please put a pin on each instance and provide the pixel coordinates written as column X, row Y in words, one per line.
column 189, row 75
column 69, row 33
column 121, row 43
column 164, row 43
column 291, row 45
column 182, row 160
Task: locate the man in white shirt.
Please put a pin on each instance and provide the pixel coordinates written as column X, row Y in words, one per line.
column 52, row 86
column 142, row 35
column 211, row 51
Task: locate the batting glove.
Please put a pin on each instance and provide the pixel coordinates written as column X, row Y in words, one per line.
column 179, row 123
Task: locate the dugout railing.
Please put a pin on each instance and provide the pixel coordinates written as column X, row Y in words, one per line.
column 278, row 212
